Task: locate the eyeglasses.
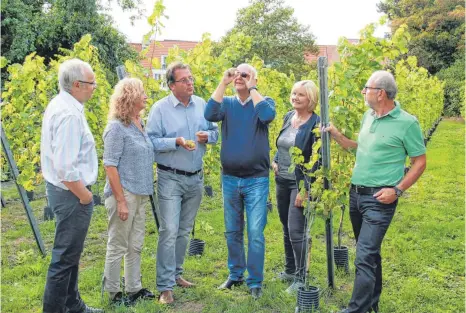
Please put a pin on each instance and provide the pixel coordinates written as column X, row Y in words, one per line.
column 185, row 80
column 367, row 87
column 94, row 84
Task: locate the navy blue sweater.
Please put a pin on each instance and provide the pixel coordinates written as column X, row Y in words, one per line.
column 245, row 135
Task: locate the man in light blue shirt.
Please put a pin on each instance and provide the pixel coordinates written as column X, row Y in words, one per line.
column 179, row 132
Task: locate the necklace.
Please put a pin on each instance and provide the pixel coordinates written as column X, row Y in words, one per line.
column 296, row 121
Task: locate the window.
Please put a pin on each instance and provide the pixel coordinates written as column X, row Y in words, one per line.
column 164, row 61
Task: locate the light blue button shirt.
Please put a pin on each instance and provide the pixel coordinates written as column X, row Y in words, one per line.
column 169, row 119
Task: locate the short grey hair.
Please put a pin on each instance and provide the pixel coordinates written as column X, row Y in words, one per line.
column 385, row 80
column 71, row 71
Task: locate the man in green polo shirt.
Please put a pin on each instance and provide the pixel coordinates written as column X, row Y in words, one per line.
column 387, row 136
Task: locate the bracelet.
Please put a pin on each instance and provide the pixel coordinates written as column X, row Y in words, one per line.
column 251, row 88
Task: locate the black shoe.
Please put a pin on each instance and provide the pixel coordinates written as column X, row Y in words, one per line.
column 118, row 299
column 230, row 283
column 256, row 292
column 374, row 309
column 143, row 294
column 88, row 309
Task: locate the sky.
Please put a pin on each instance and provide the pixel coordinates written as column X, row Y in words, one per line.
column 189, row 19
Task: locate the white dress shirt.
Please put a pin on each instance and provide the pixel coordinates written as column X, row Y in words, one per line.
column 67, row 147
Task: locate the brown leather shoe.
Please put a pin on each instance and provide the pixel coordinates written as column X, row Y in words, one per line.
column 183, row 283
column 166, row 297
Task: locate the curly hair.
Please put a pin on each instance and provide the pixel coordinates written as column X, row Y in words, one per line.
column 127, row 92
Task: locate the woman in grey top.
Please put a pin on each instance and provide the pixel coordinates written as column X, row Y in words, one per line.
column 128, row 161
column 297, row 131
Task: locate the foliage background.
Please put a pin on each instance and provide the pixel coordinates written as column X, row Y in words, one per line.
column 32, row 82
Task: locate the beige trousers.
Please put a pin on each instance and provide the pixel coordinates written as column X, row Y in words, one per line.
column 125, row 238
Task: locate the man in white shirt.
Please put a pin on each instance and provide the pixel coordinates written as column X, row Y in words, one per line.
column 69, row 166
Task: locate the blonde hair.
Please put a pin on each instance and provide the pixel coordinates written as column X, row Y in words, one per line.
column 127, row 92
column 312, row 93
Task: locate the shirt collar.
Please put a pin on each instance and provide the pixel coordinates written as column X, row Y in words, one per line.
column 395, row 112
column 243, row 103
column 68, row 98
column 174, row 100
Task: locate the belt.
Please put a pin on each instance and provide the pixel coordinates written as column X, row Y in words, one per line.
column 175, row 171
column 363, row 190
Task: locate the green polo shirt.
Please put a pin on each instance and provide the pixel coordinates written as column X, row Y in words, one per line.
column 383, row 144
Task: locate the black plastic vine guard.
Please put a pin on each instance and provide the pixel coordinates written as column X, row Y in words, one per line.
column 341, row 258
column 209, row 191
column 308, row 299
column 196, row 247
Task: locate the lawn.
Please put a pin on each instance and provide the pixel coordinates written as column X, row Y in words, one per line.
column 423, row 251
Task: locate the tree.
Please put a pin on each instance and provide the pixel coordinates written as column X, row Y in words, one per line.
column 48, row 26
column 454, row 88
column 277, row 37
column 436, row 28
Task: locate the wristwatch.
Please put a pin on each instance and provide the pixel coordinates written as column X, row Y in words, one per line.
column 251, row 88
column 398, row 191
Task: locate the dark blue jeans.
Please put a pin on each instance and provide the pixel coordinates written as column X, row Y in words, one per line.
column 250, row 195
column 370, row 219
column 72, row 222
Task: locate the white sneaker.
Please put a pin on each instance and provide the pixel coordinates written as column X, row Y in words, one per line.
column 293, row 289
column 286, row 277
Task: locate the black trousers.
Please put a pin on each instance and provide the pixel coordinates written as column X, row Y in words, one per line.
column 294, row 227
column 72, row 223
column 370, row 219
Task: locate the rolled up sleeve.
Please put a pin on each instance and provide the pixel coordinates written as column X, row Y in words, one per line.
column 113, row 146
column 212, row 133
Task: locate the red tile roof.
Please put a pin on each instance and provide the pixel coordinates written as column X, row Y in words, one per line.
column 324, row 51
column 160, row 48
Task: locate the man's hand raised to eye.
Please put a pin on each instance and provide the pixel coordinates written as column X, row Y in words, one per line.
column 250, row 81
column 229, row 76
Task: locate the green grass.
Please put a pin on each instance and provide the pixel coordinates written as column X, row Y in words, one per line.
column 423, row 251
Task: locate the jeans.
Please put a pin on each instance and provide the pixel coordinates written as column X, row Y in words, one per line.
column 179, row 198
column 370, row 219
column 250, row 195
column 72, row 223
column 125, row 238
column 294, row 227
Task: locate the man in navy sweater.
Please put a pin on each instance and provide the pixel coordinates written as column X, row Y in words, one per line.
column 245, row 178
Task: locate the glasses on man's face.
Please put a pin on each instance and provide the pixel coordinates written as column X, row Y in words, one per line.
column 94, row 84
column 368, row 87
column 185, row 80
